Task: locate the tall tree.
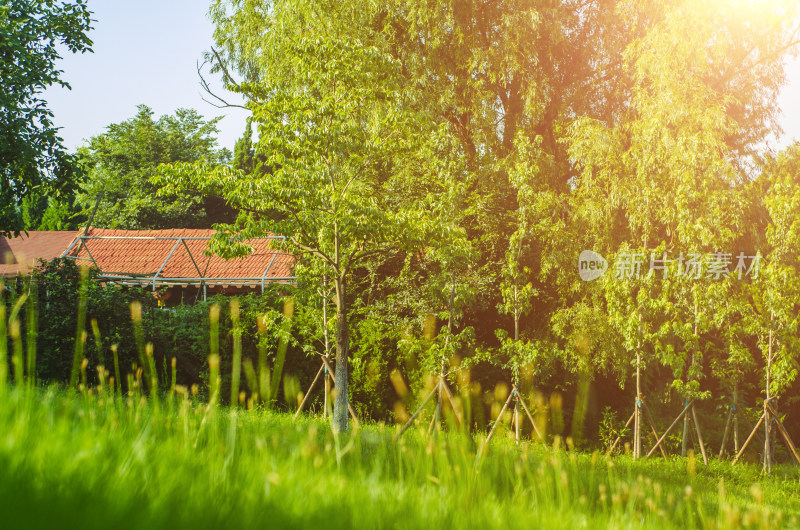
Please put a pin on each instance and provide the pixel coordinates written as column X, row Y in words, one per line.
column 32, row 157
column 50, row 213
column 122, row 161
column 698, row 87
column 334, row 125
column 774, row 293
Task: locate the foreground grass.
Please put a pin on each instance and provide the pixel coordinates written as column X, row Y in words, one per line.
column 71, row 461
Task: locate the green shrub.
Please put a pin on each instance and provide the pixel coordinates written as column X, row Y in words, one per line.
column 180, row 332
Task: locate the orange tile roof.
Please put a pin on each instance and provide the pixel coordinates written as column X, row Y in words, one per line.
column 19, row 254
column 144, row 257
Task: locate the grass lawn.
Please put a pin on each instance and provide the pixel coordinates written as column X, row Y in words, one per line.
column 74, row 461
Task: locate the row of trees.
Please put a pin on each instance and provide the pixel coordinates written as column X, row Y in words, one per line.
column 455, row 159
column 443, row 166
column 115, row 169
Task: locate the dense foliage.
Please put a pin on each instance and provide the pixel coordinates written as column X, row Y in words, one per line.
column 121, row 161
column 61, row 301
column 33, row 34
column 439, row 169
column 509, row 137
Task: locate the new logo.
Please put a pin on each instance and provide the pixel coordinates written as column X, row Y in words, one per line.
column 591, row 265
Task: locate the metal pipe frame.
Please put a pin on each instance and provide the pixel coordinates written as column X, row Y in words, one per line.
column 269, row 266
column 171, row 252
column 155, row 279
column 167, row 238
column 149, row 279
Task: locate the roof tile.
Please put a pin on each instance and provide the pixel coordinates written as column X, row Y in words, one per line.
column 19, row 254
column 151, row 256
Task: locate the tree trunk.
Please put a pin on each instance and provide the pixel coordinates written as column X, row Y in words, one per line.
column 768, row 417
column 736, row 418
column 325, row 300
column 637, row 424
column 685, row 436
column 516, row 315
column 341, row 401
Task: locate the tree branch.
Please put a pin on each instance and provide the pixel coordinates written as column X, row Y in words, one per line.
column 223, row 103
column 313, row 252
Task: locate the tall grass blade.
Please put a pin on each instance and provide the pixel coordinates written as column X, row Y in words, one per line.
column 15, row 332
column 138, row 333
column 263, row 369
column 32, row 331
column 3, row 338
column 117, row 378
column 236, row 368
column 213, row 358
column 280, row 358
column 151, row 363
column 80, row 328
column 250, row 376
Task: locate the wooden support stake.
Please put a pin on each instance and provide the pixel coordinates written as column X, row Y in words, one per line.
column 699, row 436
column 438, row 413
column 614, row 445
column 416, row 413
column 785, row 434
column 736, row 416
column 788, row 440
column 452, row 400
column 327, row 393
column 530, row 416
column 653, row 427
column 432, row 426
column 353, row 414
column 500, row 416
column 330, row 369
column 746, row 442
column 692, row 435
column 310, row 388
column 669, row 429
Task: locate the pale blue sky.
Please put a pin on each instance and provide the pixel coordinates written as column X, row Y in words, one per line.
column 146, row 51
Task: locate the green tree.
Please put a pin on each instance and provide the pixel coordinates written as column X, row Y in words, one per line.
column 243, row 155
column 775, row 309
column 32, row 157
column 668, row 174
column 121, row 162
column 50, row 213
column 334, row 125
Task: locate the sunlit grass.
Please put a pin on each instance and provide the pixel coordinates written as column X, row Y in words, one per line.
column 98, row 457
column 101, row 460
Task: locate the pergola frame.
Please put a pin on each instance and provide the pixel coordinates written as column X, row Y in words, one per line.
column 154, row 280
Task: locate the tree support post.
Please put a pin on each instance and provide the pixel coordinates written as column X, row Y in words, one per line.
column 441, row 390
column 518, row 402
column 640, row 408
column 731, row 421
column 619, row 438
column 699, row 436
column 310, row 388
column 770, row 416
column 329, row 376
column 680, row 416
column 653, row 430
